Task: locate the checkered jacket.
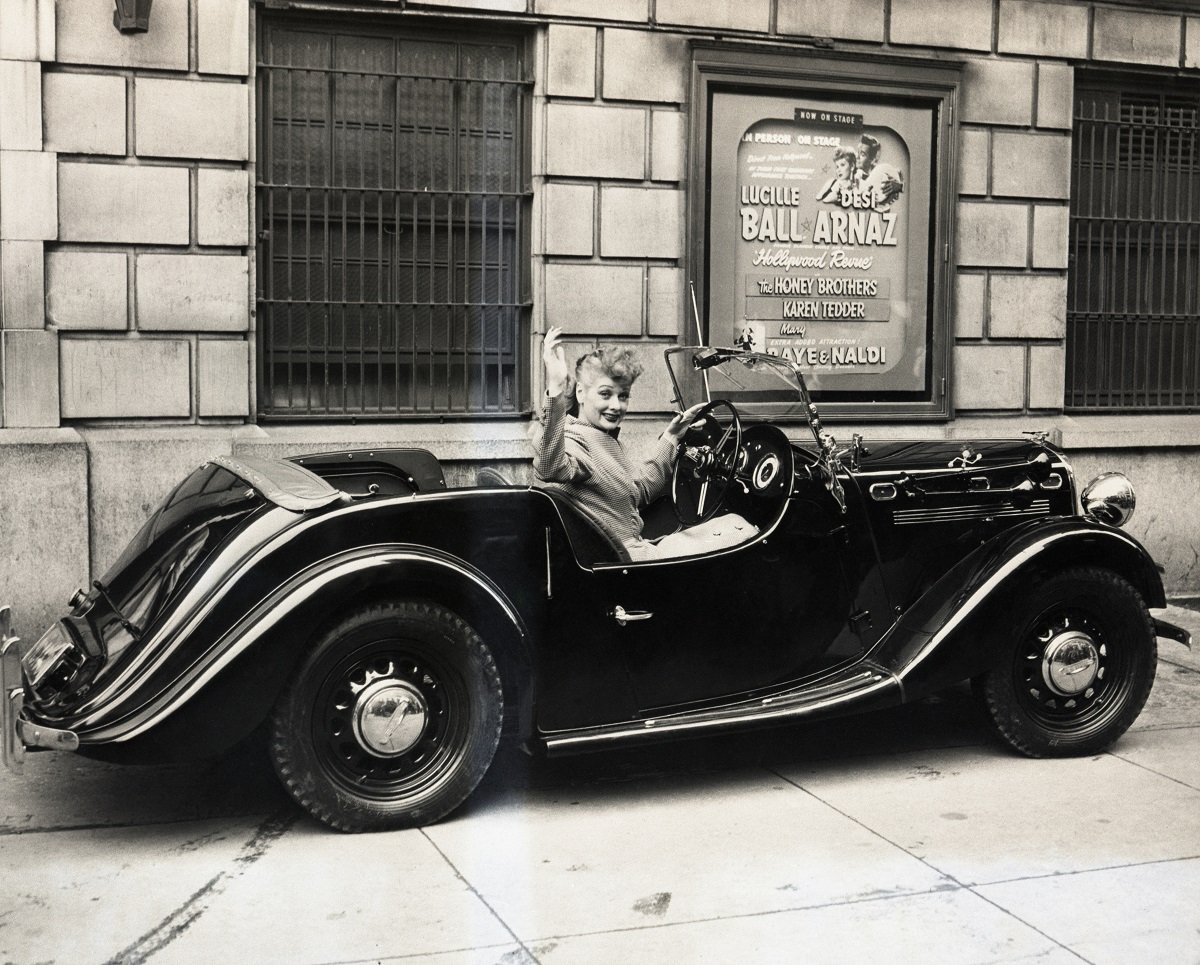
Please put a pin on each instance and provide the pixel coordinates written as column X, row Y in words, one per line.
column 591, row 466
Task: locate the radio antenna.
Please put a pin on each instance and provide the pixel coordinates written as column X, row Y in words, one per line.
column 699, row 338
column 696, row 314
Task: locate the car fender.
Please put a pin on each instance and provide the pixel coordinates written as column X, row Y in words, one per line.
column 239, row 677
column 948, row 634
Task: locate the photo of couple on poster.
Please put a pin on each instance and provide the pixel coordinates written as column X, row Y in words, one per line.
column 861, row 174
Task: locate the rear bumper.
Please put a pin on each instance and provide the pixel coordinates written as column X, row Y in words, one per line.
column 12, row 693
column 1164, row 629
column 18, row 733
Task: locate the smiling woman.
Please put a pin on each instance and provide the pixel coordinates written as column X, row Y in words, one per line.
column 581, row 456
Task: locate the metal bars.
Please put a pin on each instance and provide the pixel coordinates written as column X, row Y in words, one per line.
column 393, row 199
column 1133, row 309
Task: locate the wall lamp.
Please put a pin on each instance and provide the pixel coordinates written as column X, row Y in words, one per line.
column 132, row 16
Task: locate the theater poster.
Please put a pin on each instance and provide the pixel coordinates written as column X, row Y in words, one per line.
column 822, row 231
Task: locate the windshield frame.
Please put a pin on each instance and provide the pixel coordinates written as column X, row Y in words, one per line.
column 707, row 361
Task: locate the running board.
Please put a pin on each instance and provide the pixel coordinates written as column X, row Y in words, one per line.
column 865, row 688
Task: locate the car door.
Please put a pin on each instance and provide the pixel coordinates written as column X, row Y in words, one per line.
column 700, row 629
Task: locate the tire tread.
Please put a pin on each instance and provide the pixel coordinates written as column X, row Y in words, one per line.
column 300, row 781
column 999, row 703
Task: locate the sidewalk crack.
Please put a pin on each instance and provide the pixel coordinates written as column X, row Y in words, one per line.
column 931, row 866
column 531, row 959
column 182, row 918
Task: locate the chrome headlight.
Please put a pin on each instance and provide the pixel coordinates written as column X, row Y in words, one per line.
column 1109, row 498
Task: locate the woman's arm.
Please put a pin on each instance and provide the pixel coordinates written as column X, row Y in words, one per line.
column 655, row 471
column 551, row 459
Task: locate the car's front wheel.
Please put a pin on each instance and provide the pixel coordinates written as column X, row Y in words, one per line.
column 391, row 720
column 1078, row 668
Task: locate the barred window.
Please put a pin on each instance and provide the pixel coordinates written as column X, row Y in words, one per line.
column 1133, row 308
column 393, row 196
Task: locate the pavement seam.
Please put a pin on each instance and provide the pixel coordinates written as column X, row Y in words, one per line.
column 739, row 915
column 1145, row 767
column 1085, row 871
column 182, row 918
column 478, row 894
column 928, row 864
column 117, row 825
column 413, row 955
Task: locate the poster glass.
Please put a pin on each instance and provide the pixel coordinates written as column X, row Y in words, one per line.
column 820, row 232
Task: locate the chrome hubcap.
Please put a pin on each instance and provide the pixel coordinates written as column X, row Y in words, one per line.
column 389, row 717
column 1071, row 663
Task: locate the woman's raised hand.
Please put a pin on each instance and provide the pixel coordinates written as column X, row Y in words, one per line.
column 557, row 373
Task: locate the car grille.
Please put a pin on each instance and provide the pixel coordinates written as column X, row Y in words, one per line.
column 952, row 514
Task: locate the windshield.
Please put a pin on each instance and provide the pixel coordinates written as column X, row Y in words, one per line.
column 759, row 385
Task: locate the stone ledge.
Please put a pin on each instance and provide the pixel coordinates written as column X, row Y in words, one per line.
column 1131, row 431
column 508, row 438
column 40, row 437
column 1073, row 433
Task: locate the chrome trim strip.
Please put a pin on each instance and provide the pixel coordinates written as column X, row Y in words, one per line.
column 943, row 471
column 245, row 552
column 219, row 575
column 304, row 585
column 682, row 725
column 969, row 607
column 911, row 517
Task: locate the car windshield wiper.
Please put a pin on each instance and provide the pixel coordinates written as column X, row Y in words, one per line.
column 129, row 626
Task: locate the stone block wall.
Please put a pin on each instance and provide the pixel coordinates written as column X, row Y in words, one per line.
column 127, row 248
column 124, row 213
column 1014, row 190
column 613, row 176
column 125, row 189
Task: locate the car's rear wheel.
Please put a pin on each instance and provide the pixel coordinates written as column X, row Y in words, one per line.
column 391, row 720
column 1079, row 667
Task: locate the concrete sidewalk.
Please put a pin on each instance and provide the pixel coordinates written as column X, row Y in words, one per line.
column 904, row 836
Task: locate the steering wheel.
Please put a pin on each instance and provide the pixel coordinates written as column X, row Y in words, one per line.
column 706, row 465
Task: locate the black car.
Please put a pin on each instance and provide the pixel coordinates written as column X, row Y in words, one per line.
column 386, row 630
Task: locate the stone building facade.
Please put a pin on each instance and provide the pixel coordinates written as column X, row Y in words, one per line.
column 135, row 237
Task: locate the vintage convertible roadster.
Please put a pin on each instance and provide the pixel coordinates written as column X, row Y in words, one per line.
column 385, row 630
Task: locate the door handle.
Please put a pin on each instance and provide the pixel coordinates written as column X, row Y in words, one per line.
column 623, row 616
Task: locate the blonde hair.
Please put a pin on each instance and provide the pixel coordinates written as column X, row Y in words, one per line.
column 845, row 154
column 619, row 364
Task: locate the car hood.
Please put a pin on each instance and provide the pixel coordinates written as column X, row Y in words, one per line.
column 948, row 455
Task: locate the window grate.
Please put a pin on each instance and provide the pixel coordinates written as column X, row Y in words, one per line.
column 393, row 200
column 1133, row 309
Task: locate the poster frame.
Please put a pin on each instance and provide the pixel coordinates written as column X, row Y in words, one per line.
column 868, row 79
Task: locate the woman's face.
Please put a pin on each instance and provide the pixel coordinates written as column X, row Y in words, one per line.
column 602, row 402
column 843, row 167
